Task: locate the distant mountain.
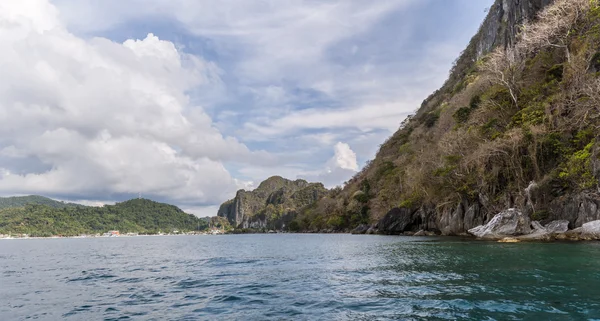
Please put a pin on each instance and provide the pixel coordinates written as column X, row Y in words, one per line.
column 136, row 215
column 272, row 205
column 20, row 201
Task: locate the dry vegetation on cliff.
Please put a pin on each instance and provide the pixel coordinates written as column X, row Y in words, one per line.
column 521, row 114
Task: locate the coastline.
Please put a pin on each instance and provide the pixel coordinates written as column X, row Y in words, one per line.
column 104, row 237
column 568, row 236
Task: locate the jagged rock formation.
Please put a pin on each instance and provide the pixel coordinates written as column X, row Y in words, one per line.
column 508, row 223
column 504, row 18
column 514, row 126
column 272, row 205
column 499, row 29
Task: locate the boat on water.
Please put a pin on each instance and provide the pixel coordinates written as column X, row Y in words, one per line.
column 111, row 234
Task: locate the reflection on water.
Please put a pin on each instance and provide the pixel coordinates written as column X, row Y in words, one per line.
column 286, row 276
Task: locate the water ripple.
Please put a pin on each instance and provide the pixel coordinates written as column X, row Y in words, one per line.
column 297, row 277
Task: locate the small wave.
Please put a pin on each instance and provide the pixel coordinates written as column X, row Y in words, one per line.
column 128, row 280
column 92, row 277
column 226, row 298
column 83, row 308
column 191, row 283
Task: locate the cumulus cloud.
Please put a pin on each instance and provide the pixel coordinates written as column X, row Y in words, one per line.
column 84, row 118
column 344, row 157
column 87, row 117
column 338, row 169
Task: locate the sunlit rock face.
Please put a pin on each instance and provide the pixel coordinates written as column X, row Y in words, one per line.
column 507, row 223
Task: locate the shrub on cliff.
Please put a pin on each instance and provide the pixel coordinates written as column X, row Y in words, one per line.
column 522, row 113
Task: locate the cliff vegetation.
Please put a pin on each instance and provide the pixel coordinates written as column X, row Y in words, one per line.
column 273, row 205
column 516, row 125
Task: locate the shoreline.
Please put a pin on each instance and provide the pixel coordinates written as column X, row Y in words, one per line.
column 550, row 238
column 101, row 237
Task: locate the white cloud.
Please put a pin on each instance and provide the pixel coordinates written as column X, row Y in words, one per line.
column 281, row 41
column 378, row 116
column 202, row 211
column 339, row 168
column 344, row 157
column 82, row 115
column 104, row 118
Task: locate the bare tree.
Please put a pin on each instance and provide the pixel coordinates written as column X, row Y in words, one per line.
column 504, row 66
column 553, row 27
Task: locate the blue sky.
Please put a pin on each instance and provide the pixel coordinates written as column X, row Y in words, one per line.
column 188, row 101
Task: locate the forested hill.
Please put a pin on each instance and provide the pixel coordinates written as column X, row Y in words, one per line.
column 19, row 201
column 517, row 125
column 272, row 205
column 136, row 215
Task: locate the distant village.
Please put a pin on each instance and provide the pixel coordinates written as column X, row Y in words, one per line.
column 210, row 231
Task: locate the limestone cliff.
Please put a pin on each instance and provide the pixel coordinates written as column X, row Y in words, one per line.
column 499, row 29
column 502, row 24
column 514, row 126
column 272, row 205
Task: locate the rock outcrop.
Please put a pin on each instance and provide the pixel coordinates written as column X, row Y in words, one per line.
column 511, row 222
column 499, row 29
column 572, row 211
column 501, row 26
column 578, row 209
column 557, row 226
column 272, row 205
column 548, row 232
column 591, row 229
column 459, row 161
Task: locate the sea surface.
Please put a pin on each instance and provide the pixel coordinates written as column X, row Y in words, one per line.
column 297, row 277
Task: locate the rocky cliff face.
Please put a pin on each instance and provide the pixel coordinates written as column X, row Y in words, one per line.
column 499, row 29
column 509, row 129
column 556, row 200
column 548, row 204
column 272, row 205
column 501, row 26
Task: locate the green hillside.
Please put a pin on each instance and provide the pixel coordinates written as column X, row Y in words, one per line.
column 137, row 215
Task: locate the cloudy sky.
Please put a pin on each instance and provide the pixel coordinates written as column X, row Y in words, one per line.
column 186, row 101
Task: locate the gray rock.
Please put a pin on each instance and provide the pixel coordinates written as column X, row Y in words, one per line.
column 361, row 229
column 560, row 226
column 576, row 208
column 591, row 229
column 455, row 220
column 372, row 230
column 397, row 221
column 510, row 222
column 548, row 232
column 537, row 226
column 502, row 24
column 420, row 233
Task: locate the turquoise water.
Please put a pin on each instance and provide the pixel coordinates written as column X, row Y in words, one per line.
column 297, row 277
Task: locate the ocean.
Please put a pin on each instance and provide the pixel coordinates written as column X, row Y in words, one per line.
column 297, row 277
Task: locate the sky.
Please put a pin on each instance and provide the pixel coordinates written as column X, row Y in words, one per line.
column 186, row 102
